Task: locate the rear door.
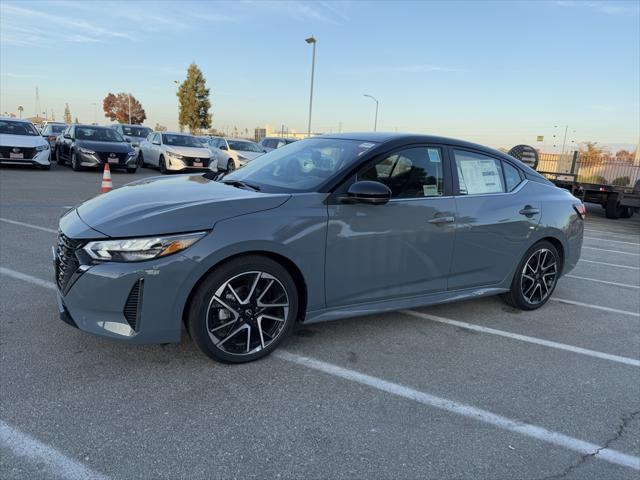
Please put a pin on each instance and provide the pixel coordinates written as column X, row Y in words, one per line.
column 495, row 219
column 401, row 249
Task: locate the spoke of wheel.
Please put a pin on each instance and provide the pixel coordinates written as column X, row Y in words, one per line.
column 234, row 293
column 529, row 290
column 538, row 286
column 546, row 287
column 260, row 331
column 266, row 289
column 272, row 318
column 248, row 337
column 544, row 269
column 527, row 277
column 232, row 334
column 253, row 287
column 225, row 305
column 222, row 326
column 543, row 259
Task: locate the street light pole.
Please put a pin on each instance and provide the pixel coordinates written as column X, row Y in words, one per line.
column 375, row 122
column 311, row 40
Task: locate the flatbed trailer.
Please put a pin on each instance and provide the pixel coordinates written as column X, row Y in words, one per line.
column 611, row 182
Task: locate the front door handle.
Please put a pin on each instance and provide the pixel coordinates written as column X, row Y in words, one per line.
column 529, row 211
column 442, row 220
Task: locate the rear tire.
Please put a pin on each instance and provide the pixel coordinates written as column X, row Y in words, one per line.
column 132, row 170
column 45, row 167
column 627, row 212
column 613, row 209
column 535, row 278
column 260, row 307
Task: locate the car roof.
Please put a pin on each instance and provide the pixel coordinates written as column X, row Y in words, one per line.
column 21, row 120
column 240, row 140
column 88, row 125
column 178, row 133
column 279, row 138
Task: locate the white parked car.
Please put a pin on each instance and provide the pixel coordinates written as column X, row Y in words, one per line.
column 173, row 152
column 21, row 143
column 232, row 153
column 271, row 143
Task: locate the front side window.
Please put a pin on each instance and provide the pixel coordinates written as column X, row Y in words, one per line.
column 478, row 174
column 410, row 173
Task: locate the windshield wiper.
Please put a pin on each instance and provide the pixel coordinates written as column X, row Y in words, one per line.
column 241, row 184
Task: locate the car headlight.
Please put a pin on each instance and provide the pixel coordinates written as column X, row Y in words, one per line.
column 138, row 249
column 175, row 156
column 132, row 153
column 42, row 148
column 86, row 151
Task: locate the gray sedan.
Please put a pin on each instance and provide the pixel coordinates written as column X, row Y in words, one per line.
column 326, row 228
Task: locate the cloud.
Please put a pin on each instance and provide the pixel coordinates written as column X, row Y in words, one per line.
column 21, row 75
column 324, row 12
column 608, row 7
column 409, row 68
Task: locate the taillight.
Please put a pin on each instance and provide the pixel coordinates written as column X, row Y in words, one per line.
column 580, row 209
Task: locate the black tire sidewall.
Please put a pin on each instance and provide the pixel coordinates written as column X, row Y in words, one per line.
column 196, row 317
column 516, row 298
column 162, row 166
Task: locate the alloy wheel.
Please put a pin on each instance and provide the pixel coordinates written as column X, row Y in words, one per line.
column 539, row 276
column 247, row 313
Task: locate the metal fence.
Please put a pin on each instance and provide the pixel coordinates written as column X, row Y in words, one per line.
column 593, row 169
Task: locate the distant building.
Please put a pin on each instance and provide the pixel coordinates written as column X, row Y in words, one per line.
column 260, row 133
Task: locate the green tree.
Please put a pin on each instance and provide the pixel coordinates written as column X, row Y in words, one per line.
column 193, row 96
column 67, row 113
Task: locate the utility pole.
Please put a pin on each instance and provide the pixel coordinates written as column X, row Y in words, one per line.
column 311, row 41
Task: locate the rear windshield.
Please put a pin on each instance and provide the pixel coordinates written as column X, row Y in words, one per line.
column 136, row 131
column 17, row 128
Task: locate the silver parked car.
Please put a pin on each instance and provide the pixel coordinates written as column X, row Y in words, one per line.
column 22, row 144
column 134, row 134
column 175, row 152
column 51, row 131
column 233, row 153
column 329, row 227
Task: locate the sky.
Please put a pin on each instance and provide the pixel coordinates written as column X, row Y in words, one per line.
column 498, row 73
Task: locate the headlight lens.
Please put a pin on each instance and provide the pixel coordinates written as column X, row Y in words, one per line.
column 174, row 155
column 138, row 249
column 86, row 150
column 42, row 148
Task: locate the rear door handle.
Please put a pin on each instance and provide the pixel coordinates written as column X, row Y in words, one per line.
column 529, row 210
column 442, row 220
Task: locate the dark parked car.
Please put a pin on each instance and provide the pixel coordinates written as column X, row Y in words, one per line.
column 92, row 146
column 326, row 228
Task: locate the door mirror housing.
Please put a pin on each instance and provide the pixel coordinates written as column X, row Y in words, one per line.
column 155, row 142
column 66, row 135
column 223, row 147
column 128, row 140
column 367, row 192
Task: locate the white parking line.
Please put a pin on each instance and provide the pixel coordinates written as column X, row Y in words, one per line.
column 451, row 406
column 612, row 251
column 595, row 307
column 611, row 264
column 524, row 338
column 597, row 280
column 27, row 278
column 607, row 240
column 28, row 225
column 58, row 464
column 612, row 233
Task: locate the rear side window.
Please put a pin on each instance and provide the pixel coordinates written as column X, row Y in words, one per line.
column 512, row 176
column 478, row 174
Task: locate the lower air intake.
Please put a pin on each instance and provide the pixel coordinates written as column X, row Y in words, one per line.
column 133, row 306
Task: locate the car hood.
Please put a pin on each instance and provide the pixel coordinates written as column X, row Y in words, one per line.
column 248, row 155
column 190, row 151
column 9, row 140
column 180, row 203
column 115, row 147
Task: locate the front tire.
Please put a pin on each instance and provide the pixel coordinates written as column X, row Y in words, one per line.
column 162, row 165
column 141, row 160
column 535, row 278
column 75, row 163
column 59, row 158
column 132, row 169
column 243, row 309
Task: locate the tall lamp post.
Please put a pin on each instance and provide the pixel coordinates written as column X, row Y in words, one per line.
column 375, row 121
column 311, row 40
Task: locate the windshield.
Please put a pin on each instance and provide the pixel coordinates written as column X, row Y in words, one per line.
column 136, row 131
column 172, row 140
column 244, row 146
column 17, row 128
column 98, row 134
column 301, row 166
column 49, row 129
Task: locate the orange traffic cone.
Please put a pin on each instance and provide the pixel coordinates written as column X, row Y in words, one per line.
column 106, row 180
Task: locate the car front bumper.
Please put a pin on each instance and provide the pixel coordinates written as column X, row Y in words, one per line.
column 176, row 165
column 130, row 302
column 39, row 159
column 93, row 160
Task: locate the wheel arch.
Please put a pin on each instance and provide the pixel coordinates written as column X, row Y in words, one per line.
column 558, row 246
column 287, row 263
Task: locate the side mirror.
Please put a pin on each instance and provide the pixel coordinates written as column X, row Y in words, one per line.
column 367, row 192
column 264, row 150
column 223, row 147
column 66, row 135
column 128, row 140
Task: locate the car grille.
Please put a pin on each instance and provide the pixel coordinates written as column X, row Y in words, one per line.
column 66, row 263
column 133, row 305
column 105, row 156
column 188, row 161
column 27, row 152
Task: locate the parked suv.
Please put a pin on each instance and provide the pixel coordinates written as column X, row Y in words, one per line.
column 172, row 151
column 93, row 146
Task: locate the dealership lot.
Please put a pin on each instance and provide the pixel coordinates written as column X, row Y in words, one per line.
column 469, row 390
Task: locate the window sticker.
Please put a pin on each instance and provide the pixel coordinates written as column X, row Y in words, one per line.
column 430, row 190
column 434, row 155
column 363, row 147
column 481, row 176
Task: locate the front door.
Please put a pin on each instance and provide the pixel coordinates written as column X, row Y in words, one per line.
column 400, row 249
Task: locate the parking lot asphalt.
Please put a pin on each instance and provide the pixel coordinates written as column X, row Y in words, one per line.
column 468, row 390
